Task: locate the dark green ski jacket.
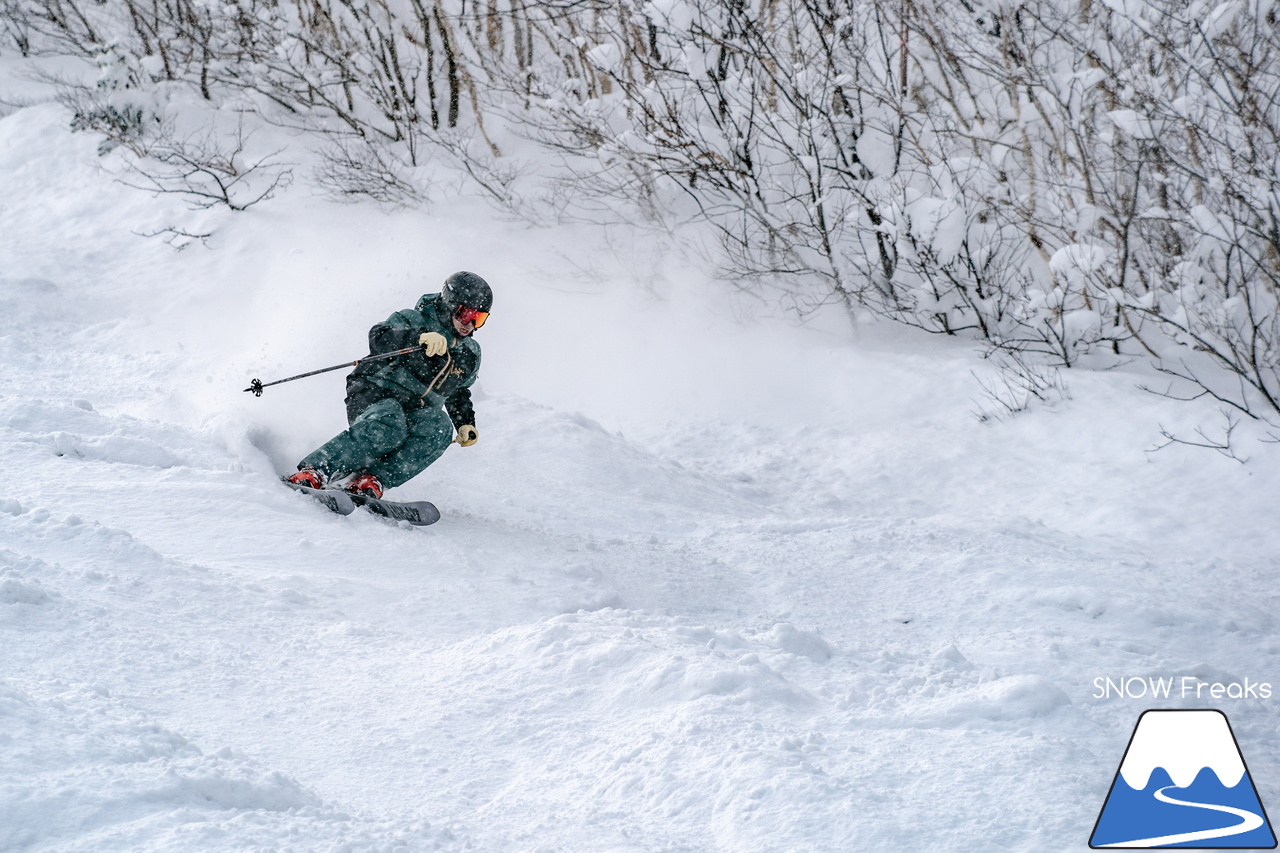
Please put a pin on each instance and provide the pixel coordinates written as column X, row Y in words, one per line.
column 413, row 379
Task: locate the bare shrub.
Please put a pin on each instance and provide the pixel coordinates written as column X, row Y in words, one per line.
column 206, row 169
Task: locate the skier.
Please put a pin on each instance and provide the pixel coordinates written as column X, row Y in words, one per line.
column 403, row 411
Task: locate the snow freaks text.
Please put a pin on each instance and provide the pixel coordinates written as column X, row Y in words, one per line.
column 1178, row 687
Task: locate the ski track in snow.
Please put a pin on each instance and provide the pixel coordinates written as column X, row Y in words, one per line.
column 875, row 626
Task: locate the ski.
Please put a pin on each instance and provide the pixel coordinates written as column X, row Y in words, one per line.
column 417, row 513
column 335, row 500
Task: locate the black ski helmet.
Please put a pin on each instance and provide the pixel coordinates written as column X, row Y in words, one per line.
column 467, row 288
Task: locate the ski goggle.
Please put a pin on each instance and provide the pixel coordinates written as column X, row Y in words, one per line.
column 467, row 314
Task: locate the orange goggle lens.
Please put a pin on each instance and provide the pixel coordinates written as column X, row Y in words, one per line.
column 467, row 314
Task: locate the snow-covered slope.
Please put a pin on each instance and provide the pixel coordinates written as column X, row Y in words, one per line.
column 703, row 584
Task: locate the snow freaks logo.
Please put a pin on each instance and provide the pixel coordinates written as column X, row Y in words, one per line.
column 1187, row 687
column 1183, row 783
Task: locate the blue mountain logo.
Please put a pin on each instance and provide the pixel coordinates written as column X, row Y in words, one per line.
column 1183, row 783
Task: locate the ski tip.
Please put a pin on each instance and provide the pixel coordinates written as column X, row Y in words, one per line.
column 429, row 511
column 416, row 513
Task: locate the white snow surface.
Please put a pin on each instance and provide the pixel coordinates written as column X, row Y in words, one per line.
column 708, row 582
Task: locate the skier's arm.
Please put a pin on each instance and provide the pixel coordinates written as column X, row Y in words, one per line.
column 458, row 405
column 400, row 331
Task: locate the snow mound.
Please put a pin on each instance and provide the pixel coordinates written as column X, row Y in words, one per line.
column 80, row 772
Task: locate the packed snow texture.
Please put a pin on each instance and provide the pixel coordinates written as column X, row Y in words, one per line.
column 709, row 581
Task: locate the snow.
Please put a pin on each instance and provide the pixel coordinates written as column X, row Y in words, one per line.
column 876, row 150
column 1221, row 19
column 1133, row 124
column 1076, row 260
column 706, row 582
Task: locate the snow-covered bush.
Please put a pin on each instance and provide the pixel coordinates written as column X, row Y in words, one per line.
column 15, row 29
column 1065, row 179
column 120, row 104
column 1069, row 179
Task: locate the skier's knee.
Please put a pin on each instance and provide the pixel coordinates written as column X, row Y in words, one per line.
column 382, row 427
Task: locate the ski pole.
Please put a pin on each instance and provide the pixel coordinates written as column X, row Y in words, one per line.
column 256, row 386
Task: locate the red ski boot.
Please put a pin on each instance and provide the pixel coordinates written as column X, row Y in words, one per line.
column 308, row 477
column 365, row 484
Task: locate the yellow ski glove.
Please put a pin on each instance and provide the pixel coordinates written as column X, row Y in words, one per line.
column 433, row 343
column 467, row 435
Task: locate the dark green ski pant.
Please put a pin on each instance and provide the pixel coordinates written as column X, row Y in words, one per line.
column 386, row 441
